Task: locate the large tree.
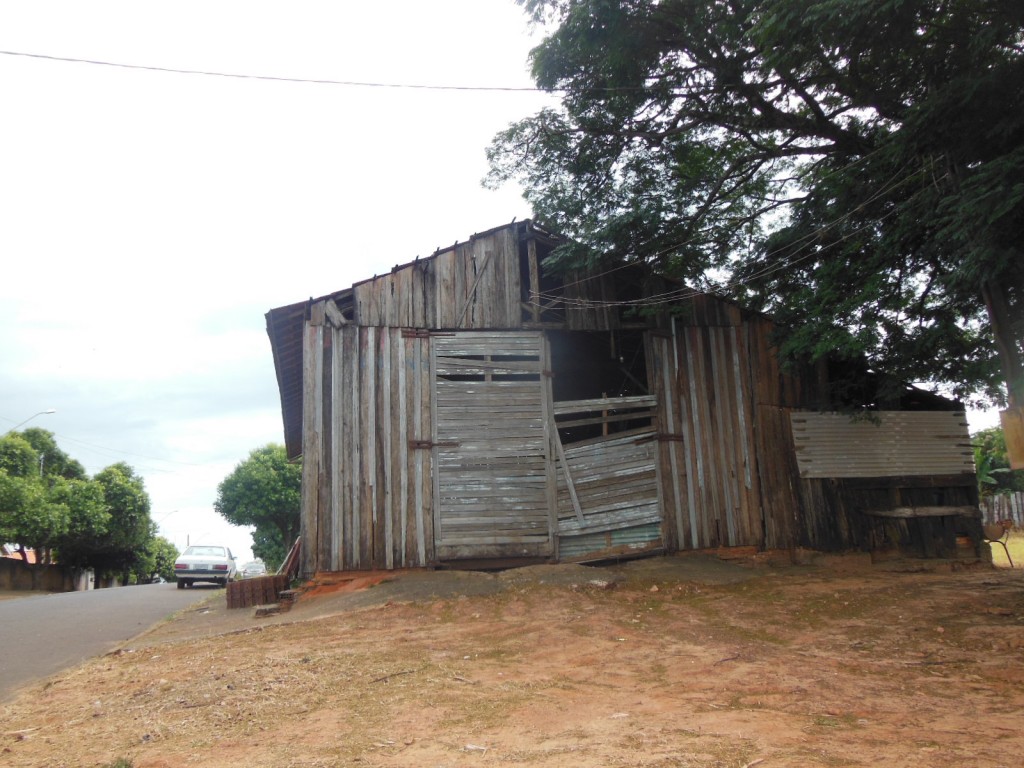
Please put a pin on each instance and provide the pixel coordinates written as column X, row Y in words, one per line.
column 53, row 462
column 17, row 456
column 88, row 521
column 130, row 528
column 157, row 559
column 43, row 513
column 30, row 515
column 264, row 491
column 855, row 167
column 49, row 505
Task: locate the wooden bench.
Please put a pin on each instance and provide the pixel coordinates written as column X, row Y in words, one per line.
column 934, row 523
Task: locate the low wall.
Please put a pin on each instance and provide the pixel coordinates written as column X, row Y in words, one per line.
column 15, row 575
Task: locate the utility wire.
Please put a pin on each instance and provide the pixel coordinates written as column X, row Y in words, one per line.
column 687, row 292
column 117, row 451
column 274, row 78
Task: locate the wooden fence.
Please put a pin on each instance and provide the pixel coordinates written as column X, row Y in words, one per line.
column 1005, row 506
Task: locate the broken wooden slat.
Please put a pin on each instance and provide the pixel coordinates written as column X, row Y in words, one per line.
column 912, row 512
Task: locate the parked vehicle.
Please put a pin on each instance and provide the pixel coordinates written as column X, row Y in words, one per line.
column 205, row 563
column 253, row 568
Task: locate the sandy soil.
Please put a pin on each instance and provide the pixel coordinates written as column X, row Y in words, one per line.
column 681, row 661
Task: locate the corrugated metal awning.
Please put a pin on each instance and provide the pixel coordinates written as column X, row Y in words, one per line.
column 882, row 444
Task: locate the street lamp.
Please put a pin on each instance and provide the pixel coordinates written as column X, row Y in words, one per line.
column 26, row 421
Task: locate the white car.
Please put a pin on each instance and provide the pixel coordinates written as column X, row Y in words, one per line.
column 205, row 563
column 253, row 569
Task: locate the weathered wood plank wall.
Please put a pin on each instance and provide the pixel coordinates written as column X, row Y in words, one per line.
column 729, row 458
column 711, row 485
column 830, row 510
column 368, row 500
column 780, row 495
column 615, row 483
column 312, row 445
column 475, row 284
column 491, row 445
column 423, row 445
column 588, row 298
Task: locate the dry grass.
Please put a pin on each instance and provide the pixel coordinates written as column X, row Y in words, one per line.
column 799, row 667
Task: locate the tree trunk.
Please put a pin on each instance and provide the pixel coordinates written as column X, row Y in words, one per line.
column 1007, row 344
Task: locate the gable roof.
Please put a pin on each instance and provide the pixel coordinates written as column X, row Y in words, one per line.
column 285, row 324
column 462, row 287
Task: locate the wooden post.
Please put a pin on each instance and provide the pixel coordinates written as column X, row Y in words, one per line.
column 531, row 255
column 312, row 417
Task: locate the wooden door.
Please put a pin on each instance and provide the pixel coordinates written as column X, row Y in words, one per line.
column 494, row 481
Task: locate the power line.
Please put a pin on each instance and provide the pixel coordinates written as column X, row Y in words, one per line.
column 685, row 292
column 276, row 78
column 117, row 451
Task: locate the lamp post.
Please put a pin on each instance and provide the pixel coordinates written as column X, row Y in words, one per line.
column 26, row 421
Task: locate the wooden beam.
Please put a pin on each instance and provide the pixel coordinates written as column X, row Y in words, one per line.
column 569, row 484
column 912, row 512
column 564, row 407
column 531, row 255
column 333, row 314
column 472, row 291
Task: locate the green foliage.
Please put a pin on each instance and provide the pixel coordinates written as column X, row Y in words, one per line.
column 269, row 547
column 30, row 517
column 88, row 520
column 264, row 491
column 156, row 559
column 855, row 168
column 993, row 465
column 130, row 527
column 17, row 456
column 101, row 523
column 54, row 462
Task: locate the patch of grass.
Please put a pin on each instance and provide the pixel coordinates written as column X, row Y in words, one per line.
column 835, row 721
column 531, row 756
column 807, row 756
column 121, row 762
column 1015, row 544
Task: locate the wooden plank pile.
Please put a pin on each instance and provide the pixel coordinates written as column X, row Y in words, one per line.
column 261, row 590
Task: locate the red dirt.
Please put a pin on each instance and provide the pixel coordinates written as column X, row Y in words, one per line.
column 669, row 662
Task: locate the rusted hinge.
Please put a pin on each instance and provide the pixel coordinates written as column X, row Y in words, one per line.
column 427, row 444
column 415, row 333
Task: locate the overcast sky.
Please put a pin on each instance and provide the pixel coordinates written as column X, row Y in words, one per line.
column 148, row 219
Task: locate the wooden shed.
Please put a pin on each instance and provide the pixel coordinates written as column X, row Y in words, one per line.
column 473, row 408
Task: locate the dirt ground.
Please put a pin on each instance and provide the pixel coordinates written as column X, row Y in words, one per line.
column 678, row 661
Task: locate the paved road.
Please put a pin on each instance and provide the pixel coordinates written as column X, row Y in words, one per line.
column 43, row 634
